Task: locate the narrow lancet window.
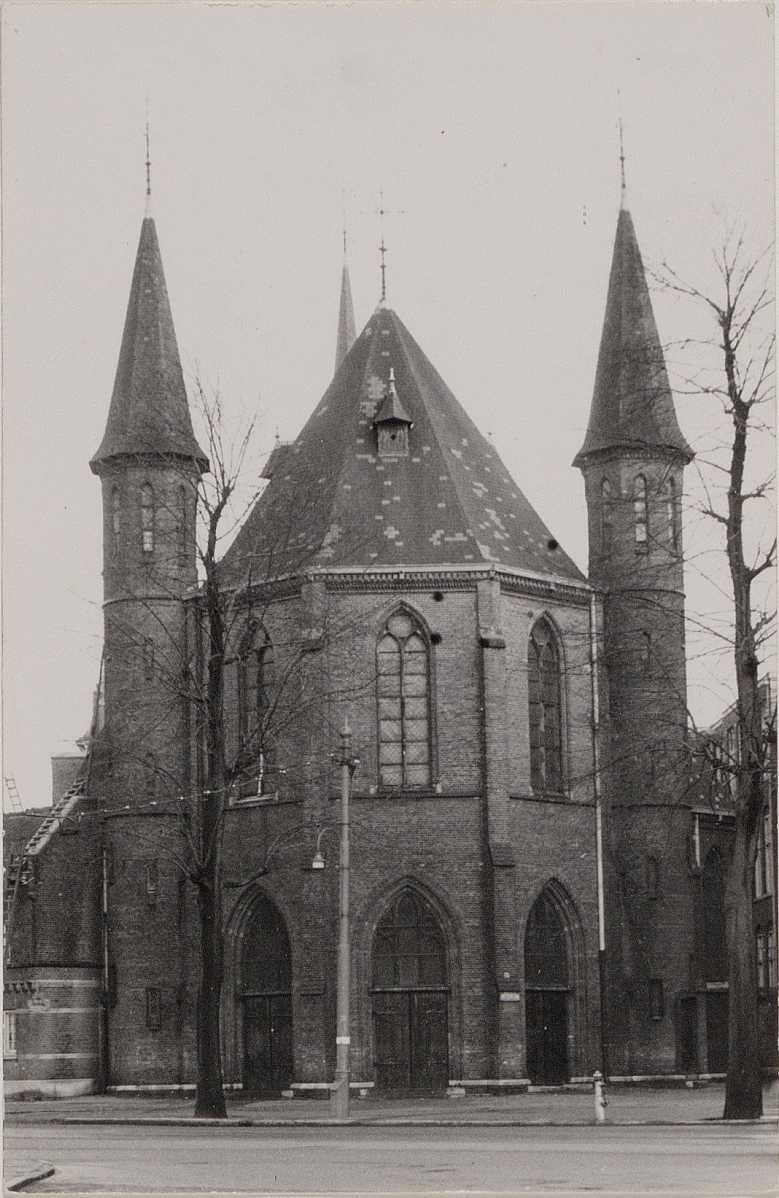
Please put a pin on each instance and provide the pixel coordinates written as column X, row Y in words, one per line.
column 116, row 516
column 640, row 514
column 147, row 518
column 670, row 513
column 606, row 517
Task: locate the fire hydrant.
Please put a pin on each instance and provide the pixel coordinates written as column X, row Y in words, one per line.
column 599, row 1093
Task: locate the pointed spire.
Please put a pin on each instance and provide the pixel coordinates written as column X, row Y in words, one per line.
column 346, row 328
column 632, row 405
column 149, row 412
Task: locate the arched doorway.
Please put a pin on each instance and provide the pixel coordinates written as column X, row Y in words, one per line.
column 266, row 998
column 548, row 993
column 410, row 997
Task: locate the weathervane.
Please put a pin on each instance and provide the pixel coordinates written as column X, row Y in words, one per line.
column 623, row 186
column 381, row 212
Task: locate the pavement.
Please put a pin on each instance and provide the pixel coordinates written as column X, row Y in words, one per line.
column 551, row 1107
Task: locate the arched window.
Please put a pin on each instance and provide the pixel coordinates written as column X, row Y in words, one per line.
column 543, row 668
column 255, row 712
column 116, row 516
column 148, row 658
column 403, row 691
column 606, row 517
column 546, row 947
column 715, row 956
column 147, row 518
column 672, row 523
column 640, row 513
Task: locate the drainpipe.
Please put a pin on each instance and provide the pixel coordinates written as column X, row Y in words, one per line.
column 106, row 971
column 598, row 838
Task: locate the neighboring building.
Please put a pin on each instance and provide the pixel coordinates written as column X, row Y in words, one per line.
column 392, row 571
column 712, row 833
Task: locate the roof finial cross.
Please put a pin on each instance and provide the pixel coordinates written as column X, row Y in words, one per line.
column 623, row 185
column 381, row 212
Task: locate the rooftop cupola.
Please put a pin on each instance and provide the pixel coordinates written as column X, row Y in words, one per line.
column 149, row 412
column 392, row 422
column 632, row 405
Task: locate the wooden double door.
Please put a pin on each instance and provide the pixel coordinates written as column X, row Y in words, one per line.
column 267, row 1043
column 411, row 1041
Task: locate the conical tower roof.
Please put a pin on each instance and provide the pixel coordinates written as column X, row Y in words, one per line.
column 149, row 412
column 346, row 327
column 335, row 501
column 632, row 405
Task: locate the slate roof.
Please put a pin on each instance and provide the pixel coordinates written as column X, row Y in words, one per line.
column 334, row 502
column 632, row 405
column 149, row 412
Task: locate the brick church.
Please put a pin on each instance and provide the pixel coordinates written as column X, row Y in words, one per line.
column 526, row 882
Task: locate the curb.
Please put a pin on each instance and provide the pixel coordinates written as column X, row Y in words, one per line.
column 400, row 1121
column 36, row 1173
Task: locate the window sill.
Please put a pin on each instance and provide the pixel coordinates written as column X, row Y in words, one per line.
column 547, row 796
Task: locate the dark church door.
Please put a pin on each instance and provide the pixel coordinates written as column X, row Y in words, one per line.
column 267, row 1039
column 410, row 1000
column 411, row 1035
column 266, row 985
column 547, row 993
column 547, row 1036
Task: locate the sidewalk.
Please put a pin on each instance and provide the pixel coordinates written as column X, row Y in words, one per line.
column 627, row 1105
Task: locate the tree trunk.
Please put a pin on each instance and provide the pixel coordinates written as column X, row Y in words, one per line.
column 743, row 1089
column 209, row 1098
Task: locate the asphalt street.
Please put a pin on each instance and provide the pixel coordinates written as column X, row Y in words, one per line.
column 736, row 1162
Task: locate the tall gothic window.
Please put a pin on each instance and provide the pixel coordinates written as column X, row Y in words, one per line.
column 543, row 668
column 715, row 955
column 116, row 516
column 606, row 517
column 640, row 512
column 147, row 518
column 403, row 687
column 255, row 699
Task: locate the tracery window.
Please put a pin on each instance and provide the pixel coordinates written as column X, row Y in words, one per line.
column 147, row 518
column 640, row 512
column 403, row 692
column 255, row 710
column 763, row 871
column 606, row 517
column 408, row 947
column 544, row 699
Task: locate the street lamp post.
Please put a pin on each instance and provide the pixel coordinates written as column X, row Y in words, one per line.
column 339, row 1095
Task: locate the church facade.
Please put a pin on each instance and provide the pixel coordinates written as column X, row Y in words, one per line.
column 526, row 905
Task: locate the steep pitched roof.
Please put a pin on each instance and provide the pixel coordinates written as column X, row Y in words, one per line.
column 632, row 405
column 149, row 412
column 346, row 328
column 336, row 502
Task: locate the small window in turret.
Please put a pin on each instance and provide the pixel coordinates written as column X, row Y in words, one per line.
column 606, row 517
column 640, row 514
column 147, row 518
column 670, row 513
column 182, row 522
column 116, row 516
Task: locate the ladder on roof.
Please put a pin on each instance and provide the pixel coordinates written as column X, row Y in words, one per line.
column 13, row 795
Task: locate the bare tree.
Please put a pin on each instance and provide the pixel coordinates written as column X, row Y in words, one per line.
column 739, row 379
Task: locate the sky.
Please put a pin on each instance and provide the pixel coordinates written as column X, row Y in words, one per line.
column 492, row 131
